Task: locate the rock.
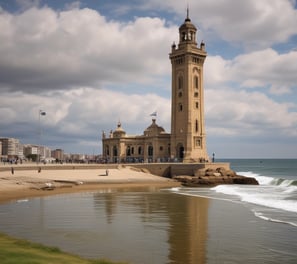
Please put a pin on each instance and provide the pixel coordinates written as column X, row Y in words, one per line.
column 209, row 172
column 213, row 177
column 222, row 171
column 245, row 180
column 230, row 173
column 199, row 172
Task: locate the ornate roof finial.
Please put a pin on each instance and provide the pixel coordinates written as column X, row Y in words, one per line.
column 188, row 18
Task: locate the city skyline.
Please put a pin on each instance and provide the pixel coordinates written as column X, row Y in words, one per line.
column 88, row 64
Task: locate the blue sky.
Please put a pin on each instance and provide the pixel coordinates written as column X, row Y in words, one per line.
column 89, row 64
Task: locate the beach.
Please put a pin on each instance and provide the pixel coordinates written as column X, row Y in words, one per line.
column 134, row 216
column 35, row 180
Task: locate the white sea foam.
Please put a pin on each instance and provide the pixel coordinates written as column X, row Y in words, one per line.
column 22, row 201
column 175, row 189
column 260, row 215
column 273, row 197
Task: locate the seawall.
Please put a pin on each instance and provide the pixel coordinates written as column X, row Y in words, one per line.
column 170, row 170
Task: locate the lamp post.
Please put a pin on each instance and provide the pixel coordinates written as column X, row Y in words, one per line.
column 40, row 113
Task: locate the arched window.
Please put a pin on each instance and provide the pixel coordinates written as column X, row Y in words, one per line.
column 150, row 150
column 128, row 151
column 196, row 126
column 181, row 152
column 180, row 107
column 180, row 82
column 139, row 150
column 196, row 82
column 107, row 150
column 197, row 105
column 115, row 151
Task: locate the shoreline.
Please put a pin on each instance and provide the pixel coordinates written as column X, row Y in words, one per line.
column 29, row 183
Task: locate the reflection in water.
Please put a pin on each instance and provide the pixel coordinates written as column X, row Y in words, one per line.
column 143, row 226
column 188, row 230
column 185, row 218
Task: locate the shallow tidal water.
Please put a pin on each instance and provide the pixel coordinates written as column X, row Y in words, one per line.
column 150, row 226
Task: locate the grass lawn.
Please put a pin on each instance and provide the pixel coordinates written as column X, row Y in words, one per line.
column 24, row 252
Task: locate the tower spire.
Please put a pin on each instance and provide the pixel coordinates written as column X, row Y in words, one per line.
column 188, row 17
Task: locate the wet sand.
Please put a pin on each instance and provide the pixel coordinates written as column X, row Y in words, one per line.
column 28, row 182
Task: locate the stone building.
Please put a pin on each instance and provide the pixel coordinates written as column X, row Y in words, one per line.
column 153, row 145
column 187, row 141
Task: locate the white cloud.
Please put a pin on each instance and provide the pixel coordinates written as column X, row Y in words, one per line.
column 80, row 113
column 88, row 73
column 42, row 48
column 259, row 69
column 244, row 113
column 254, row 24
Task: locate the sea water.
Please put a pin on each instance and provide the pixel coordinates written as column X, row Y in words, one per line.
column 238, row 224
column 275, row 199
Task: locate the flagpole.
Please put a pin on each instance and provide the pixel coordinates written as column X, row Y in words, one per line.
column 40, row 113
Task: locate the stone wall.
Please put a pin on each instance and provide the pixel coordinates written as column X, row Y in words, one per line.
column 175, row 169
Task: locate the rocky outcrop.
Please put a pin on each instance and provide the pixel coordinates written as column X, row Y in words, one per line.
column 213, row 177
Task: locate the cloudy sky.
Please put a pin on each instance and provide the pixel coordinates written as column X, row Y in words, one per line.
column 90, row 63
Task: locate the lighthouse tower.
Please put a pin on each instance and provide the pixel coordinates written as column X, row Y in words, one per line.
column 188, row 139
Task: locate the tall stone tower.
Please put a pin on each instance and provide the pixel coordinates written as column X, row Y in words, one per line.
column 188, row 139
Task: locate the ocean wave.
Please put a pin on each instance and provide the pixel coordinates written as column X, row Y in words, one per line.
column 266, row 180
column 260, row 215
column 272, row 197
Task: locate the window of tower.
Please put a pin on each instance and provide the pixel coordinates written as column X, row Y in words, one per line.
column 196, row 126
column 180, row 94
column 196, row 82
column 180, row 82
column 196, row 105
column 180, row 107
column 183, row 36
column 196, row 94
column 198, row 143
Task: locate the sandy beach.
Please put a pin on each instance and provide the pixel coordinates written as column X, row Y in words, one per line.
column 27, row 182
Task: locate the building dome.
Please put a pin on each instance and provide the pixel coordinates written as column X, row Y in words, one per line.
column 153, row 129
column 187, row 31
column 187, row 25
column 119, row 132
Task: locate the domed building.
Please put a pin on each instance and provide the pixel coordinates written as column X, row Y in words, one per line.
column 152, row 146
column 187, row 140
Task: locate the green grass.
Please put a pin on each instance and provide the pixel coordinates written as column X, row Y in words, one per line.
column 19, row 251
